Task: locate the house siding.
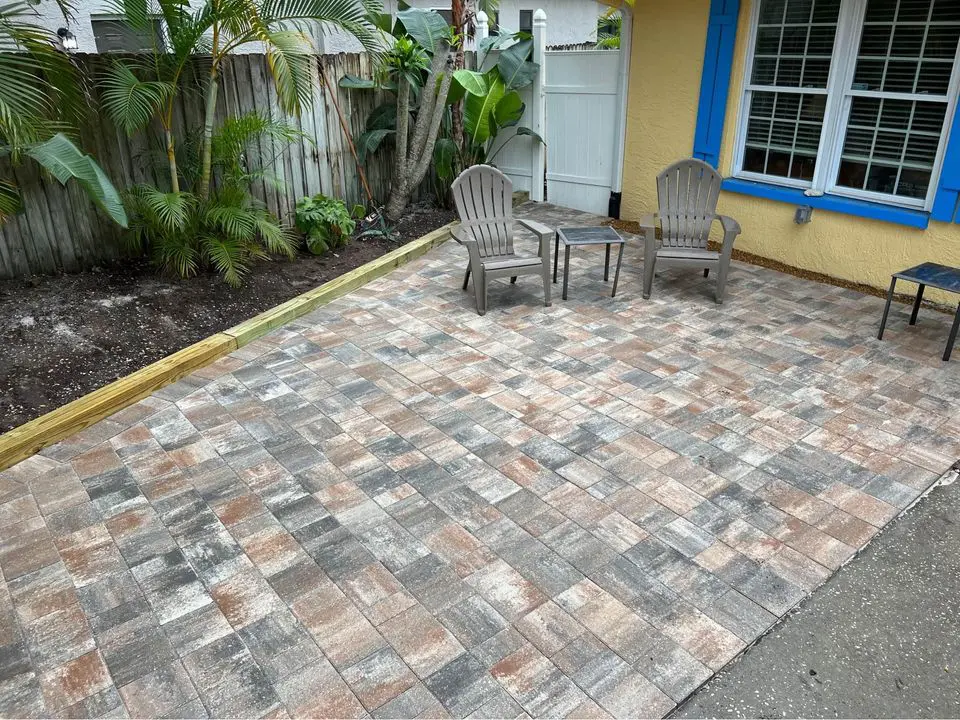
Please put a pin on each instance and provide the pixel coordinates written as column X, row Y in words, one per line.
column 568, row 22
column 666, row 70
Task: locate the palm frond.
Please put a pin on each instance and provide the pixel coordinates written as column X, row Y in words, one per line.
column 9, row 200
column 227, row 256
column 177, row 253
column 277, row 239
column 349, row 15
column 288, row 56
column 236, row 222
column 129, row 101
column 169, row 212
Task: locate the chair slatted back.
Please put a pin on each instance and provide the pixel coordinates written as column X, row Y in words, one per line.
column 687, row 192
column 484, row 200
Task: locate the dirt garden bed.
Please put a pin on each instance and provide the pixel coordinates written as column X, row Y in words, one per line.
column 64, row 336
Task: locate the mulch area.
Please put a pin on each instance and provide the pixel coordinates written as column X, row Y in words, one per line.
column 64, row 336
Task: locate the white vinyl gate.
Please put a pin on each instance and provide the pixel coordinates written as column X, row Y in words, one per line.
column 582, row 111
column 576, row 104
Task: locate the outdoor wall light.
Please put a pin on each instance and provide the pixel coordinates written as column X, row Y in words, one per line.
column 68, row 41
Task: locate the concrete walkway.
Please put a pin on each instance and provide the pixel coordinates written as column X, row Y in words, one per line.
column 394, row 507
column 881, row 639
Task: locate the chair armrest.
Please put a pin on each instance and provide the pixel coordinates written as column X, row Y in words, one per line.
column 460, row 236
column 731, row 228
column 535, row 227
column 729, row 224
column 648, row 231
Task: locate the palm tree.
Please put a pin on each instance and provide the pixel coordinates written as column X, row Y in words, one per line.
column 41, row 100
column 136, row 92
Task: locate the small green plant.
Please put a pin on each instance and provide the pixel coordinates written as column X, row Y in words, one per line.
column 326, row 222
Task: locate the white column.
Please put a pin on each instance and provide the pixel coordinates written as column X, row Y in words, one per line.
column 623, row 87
column 483, row 27
column 538, row 109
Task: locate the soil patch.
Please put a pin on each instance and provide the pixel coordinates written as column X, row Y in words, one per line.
column 64, row 336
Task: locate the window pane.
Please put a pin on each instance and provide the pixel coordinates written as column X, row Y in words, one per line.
column 891, row 145
column 794, row 43
column 945, row 10
column 783, row 134
column 897, row 35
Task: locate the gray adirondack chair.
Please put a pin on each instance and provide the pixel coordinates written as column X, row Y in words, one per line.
column 687, row 192
column 484, row 200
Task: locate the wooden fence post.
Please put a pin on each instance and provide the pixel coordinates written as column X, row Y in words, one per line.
column 538, row 111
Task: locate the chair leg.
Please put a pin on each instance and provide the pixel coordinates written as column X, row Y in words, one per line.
column 649, row 265
column 466, row 278
column 722, row 280
column 484, row 283
column 478, row 291
column 547, row 302
column 706, row 272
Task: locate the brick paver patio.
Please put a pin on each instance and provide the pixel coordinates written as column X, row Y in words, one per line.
column 394, row 507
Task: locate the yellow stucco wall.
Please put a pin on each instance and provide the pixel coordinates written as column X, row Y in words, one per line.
column 665, row 69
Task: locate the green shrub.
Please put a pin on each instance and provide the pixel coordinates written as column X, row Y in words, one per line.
column 227, row 230
column 325, row 222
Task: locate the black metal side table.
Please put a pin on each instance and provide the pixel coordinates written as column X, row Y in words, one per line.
column 934, row 275
column 602, row 235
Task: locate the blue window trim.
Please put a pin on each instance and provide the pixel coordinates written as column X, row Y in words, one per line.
column 946, row 203
column 715, row 81
column 708, row 136
column 861, row 208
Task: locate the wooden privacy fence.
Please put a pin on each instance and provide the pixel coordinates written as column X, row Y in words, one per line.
column 61, row 229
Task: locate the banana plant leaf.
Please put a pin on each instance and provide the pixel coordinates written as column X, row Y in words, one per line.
column 509, row 110
column 515, row 68
column 65, row 161
column 383, row 117
column 444, row 153
column 523, row 130
column 478, row 110
column 357, row 83
column 471, row 81
column 369, row 141
column 427, row 27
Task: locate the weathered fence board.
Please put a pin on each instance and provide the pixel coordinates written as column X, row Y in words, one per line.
column 60, row 229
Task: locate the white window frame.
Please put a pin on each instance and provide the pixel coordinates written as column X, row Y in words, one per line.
column 836, row 114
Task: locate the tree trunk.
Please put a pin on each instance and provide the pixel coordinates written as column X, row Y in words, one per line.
column 172, row 161
column 208, row 118
column 414, row 154
column 458, row 17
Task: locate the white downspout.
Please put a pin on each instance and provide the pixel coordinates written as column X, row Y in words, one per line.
column 620, row 139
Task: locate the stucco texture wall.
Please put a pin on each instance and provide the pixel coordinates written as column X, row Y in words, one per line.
column 666, row 65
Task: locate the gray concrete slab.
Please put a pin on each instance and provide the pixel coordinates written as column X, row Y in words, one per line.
column 880, row 639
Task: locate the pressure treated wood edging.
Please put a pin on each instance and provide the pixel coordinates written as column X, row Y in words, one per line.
column 31, row 437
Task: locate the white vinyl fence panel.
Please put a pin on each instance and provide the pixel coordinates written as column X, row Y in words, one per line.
column 582, row 106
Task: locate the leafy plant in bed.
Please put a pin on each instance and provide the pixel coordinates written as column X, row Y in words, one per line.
column 325, row 222
column 206, row 216
column 419, row 122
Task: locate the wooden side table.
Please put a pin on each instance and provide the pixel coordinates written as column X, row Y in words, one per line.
column 938, row 276
column 601, row 235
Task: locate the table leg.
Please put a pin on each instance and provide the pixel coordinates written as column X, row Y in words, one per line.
column 556, row 256
column 886, row 309
column 566, row 270
column 616, row 277
column 953, row 335
column 606, row 264
column 916, row 305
